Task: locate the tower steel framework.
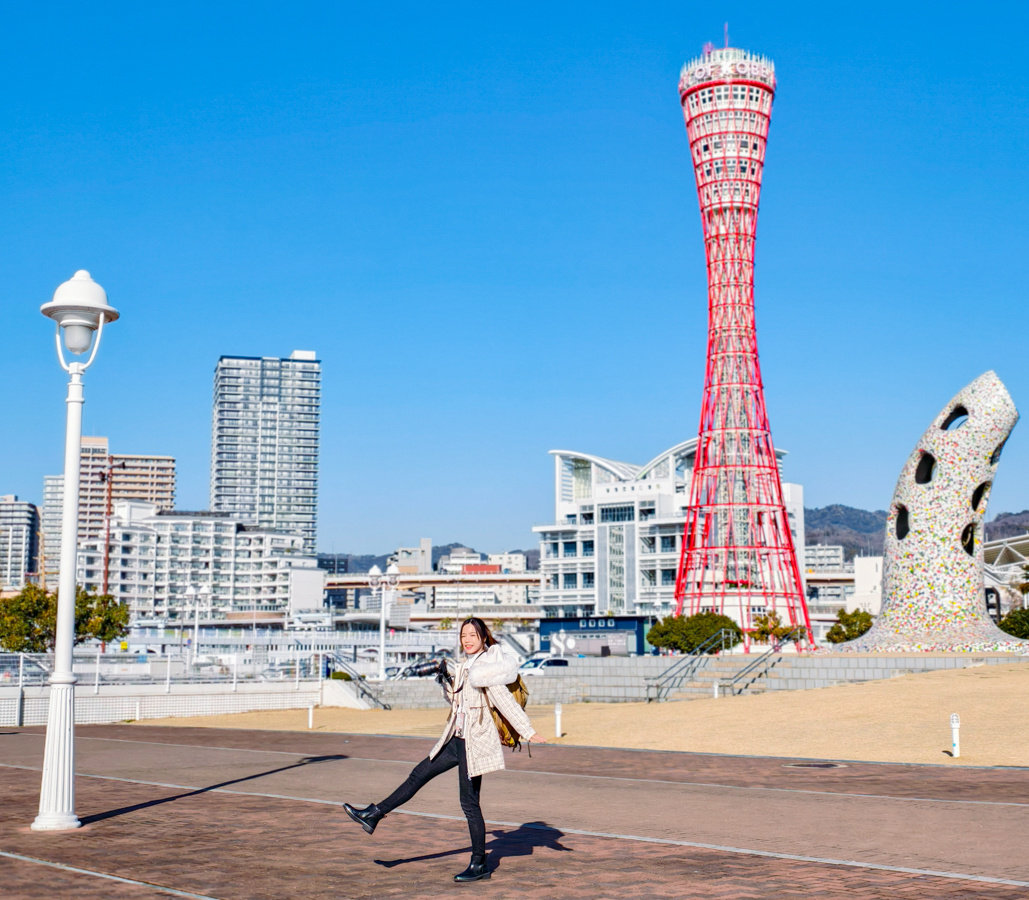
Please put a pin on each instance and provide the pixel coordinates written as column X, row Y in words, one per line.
column 737, row 554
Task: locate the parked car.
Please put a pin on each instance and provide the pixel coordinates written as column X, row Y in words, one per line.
column 551, row 665
column 33, row 672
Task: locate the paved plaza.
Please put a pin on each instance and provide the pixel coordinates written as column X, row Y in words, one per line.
column 252, row 815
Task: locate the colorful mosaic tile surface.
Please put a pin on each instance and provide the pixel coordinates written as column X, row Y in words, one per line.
column 932, row 586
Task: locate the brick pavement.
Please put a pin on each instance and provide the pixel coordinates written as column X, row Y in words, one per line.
column 231, row 846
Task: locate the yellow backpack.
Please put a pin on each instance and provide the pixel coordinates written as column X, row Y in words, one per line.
column 508, row 735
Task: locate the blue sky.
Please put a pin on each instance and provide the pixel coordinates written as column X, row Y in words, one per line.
column 483, row 219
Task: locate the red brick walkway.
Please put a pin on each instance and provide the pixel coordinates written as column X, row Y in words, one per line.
column 240, row 845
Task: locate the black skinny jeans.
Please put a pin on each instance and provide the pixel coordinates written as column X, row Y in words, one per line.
column 452, row 754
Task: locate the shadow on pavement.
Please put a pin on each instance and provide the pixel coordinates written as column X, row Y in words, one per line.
column 522, row 841
column 110, row 814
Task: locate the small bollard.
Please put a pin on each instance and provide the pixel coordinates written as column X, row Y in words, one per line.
column 557, row 720
column 955, row 738
column 137, row 711
column 310, row 716
column 714, row 688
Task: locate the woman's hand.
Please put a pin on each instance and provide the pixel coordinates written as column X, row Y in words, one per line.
column 537, row 738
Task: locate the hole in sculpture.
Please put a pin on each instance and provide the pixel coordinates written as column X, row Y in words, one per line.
column 968, row 539
column 996, row 453
column 924, row 471
column 978, row 494
column 903, row 526
column 958, row 416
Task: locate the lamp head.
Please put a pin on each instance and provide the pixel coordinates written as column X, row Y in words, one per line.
column 374, row 575
column 392, row 574
column 76, row 307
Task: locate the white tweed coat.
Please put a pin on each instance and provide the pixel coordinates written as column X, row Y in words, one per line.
column 488, row 673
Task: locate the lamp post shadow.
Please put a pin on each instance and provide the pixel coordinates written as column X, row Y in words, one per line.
column 124, row 810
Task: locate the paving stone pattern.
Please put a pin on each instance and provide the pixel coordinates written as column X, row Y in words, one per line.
column 246, row 847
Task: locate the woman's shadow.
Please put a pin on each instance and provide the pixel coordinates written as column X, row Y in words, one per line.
column 522, row 841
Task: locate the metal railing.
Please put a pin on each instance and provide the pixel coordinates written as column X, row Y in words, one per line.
column 356, row 680
column 760, row 667
column 660, row 686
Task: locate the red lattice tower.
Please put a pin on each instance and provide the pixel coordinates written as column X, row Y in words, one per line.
column 737, row 556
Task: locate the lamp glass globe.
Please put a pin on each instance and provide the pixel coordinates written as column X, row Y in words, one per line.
column 77, row 338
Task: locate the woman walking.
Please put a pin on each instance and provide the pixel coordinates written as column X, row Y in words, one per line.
column 470, row 740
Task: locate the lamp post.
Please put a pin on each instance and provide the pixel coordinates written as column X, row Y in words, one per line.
column 191, row 595
column 79, row 307
column 377, row 580
column 205, row 593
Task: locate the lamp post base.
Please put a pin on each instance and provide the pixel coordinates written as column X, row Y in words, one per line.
column 57, row 794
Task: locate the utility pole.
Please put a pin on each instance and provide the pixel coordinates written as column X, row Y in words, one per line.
column 105, row 479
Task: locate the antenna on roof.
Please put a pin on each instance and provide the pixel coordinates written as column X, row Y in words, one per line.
column 708, row 47
column 727, row 34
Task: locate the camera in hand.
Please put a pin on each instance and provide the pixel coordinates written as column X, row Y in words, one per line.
column 443, row 673
column 421, row 669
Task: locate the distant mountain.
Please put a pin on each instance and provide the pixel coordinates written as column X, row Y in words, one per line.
column 1007, row 525
column 860, row 531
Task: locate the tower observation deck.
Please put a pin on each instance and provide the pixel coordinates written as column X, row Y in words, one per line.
column 737, row 555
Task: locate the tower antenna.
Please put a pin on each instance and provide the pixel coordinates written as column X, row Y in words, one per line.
column 726, row 34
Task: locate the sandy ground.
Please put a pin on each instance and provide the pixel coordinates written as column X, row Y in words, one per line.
column 903, row 719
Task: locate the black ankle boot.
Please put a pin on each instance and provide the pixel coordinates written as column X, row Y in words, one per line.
column 367, row 818
column 477, row 869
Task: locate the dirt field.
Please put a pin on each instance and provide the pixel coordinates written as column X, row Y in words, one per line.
column 903, row 719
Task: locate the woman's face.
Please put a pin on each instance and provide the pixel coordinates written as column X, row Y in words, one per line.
column 471, row 643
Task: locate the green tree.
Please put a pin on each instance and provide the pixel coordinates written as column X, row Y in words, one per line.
column 848, row 626
column 1016, row 623
column 446, row 623
column 686, row 633
column 770, row 626
column 498, row 625
column 28, row 621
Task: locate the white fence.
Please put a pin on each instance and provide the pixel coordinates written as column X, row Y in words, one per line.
column 121, row 703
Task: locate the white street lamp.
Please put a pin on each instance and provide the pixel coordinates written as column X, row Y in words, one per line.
column 205, row 594
column 79, row 308
column 377, row 580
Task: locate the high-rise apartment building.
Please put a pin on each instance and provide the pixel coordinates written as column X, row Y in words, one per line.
column 19, row 525
column 50, row 542
column 104, row 478
column 264, row 442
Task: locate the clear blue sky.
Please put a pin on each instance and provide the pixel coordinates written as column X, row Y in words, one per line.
column 484, row 220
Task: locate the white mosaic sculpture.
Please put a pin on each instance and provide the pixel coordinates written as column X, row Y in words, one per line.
column 932, row 589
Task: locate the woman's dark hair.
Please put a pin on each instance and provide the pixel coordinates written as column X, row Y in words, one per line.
column 481, row 629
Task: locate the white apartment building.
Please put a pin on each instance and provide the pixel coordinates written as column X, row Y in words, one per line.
column 19, row 526
column 104, row 478
column 239, row 573
column 264, row 442
column 617, row 534
column 829, row 581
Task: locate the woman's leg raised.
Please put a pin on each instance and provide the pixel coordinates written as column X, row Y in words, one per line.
column 421, row 775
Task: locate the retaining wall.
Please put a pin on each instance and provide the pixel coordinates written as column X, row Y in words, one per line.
column 119, row 703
